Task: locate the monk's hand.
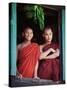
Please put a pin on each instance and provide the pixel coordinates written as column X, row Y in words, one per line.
column 19, row 76
column 36, row 77
column 52, row 50
column 57, row 52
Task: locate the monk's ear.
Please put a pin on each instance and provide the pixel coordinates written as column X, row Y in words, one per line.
column 22, row 34
column 43, row 35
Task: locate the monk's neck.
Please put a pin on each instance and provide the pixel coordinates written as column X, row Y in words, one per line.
column 47, row 43
column 27, row 42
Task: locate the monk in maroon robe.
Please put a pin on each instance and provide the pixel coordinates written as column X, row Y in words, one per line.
column 50, row 68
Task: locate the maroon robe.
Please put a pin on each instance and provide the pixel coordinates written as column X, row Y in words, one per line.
column 50, row 68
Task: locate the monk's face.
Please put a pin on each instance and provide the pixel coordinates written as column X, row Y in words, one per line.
column 28, row 34
column 48, row 35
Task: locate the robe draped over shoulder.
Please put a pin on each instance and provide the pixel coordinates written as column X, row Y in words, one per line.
column 27, row 59
column 50, row 68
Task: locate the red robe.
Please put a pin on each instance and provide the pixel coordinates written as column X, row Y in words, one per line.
column 50, row 68
column 27, row 59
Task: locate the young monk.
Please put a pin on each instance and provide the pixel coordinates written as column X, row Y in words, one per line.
column 27, row 55
column 49, row 67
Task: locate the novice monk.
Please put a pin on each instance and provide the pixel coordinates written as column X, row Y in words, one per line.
column 27, row 56
column 49, row 67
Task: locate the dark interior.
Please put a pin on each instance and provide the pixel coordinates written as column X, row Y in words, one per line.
column 51, row 18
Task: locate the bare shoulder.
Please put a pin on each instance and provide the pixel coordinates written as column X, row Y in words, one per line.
column 18, row 46
column 41, row 47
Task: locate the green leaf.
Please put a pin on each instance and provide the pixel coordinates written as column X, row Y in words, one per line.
column 35, row 13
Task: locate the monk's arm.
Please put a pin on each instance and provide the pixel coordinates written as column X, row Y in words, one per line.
column 54, row 55
column 17, row 72
column 36, row 68
column 44, row 54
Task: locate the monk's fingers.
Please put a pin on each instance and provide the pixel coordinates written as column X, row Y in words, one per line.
column 57, row 52
column 20, row 76
column 36, row 77
column 53, row 50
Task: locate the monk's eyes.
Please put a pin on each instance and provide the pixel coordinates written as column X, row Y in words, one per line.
column 30, row 33
column 48, row 34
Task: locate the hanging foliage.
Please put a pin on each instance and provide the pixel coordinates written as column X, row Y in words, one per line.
column 35, row 13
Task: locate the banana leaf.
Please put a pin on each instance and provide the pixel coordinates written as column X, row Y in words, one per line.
column 36, row 14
